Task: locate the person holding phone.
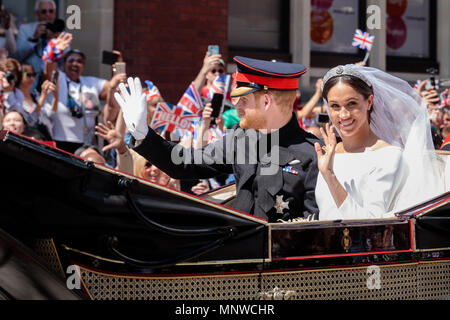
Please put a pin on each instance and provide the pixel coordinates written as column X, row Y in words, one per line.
column 278, row 183
column 206, row 133
column 34, row 101
column 212, row 66
column 78, row 105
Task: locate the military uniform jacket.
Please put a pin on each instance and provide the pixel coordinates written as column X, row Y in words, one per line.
column 286, row 193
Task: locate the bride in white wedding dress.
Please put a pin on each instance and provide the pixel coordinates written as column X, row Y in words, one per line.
column 386, row 160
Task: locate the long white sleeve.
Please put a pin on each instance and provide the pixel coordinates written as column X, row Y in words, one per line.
column 372, row 197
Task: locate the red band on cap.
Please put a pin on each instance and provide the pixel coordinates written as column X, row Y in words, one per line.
column 272, row 83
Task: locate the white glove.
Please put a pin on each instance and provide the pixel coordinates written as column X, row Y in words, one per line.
column 134, row 108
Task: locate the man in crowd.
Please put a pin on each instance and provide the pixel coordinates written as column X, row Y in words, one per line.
column 276, row 185
column 32, row 36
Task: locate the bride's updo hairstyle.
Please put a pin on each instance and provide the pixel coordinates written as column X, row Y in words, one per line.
column 348, row 75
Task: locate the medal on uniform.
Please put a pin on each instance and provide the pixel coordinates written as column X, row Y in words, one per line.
column 280, row 204
column 289, row 169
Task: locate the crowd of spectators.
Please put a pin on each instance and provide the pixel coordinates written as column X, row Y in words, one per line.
column 45, row 94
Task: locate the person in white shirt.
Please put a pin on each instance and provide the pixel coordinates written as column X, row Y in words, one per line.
column 79, row 103
column 385, row 161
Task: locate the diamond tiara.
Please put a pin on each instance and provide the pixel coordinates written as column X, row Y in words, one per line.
column 347, row 70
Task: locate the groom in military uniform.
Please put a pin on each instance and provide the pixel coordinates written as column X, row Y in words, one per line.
column 272, row 158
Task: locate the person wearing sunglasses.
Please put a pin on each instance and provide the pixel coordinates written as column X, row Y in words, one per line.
column 32, row 35
column 213, row 65
column 33, row 101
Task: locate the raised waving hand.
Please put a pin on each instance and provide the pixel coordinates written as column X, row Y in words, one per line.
column 134, row 107
column 325, row 161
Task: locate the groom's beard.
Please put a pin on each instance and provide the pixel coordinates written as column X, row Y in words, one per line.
column 253, row 119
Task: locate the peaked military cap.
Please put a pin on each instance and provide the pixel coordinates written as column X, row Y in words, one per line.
column 253, row 75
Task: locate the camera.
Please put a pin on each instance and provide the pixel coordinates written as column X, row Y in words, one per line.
column 75, row 108
column 322, row 118
column 108, row 57
column 10, row 77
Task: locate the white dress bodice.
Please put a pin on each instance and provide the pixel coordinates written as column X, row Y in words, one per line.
column 372, row 180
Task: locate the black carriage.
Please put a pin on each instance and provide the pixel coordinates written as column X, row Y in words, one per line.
column 82, row 230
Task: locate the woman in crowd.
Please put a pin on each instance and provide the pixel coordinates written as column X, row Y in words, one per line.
column 72, row 125
column 15, row 122
column 11, row 77
column 212, row 66
column 145, row 170
column 33, row 101
column 386, row 159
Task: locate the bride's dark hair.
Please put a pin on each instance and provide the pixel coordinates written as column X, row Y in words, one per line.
column 357, row 84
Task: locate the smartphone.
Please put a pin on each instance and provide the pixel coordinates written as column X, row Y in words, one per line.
column 432, row 71
column 54, row 78
column 109, row 57
column 213, row 49
column 120, row 67
column 216, row 105
column 322, row 118
column 433, row 82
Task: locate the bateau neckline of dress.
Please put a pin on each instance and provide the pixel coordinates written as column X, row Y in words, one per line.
column 369, row 149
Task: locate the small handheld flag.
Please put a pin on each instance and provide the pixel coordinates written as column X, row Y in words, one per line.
column 191, row 100
column 152, row 92
column 417, row 84
column 219, row 85
column 444, row 100
column 51, row 53
column 364, row 41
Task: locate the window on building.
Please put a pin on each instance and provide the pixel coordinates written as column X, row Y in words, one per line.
column 333, row 24
column 259, row 28
column 410, row 35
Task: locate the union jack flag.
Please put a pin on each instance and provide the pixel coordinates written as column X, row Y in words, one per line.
column 191, row 101
column 219, row 85
column 417, row 84
column 172, row 118
column 213, row 134
column 152, row 91
column 50, row 53
column 444, row 99
column 363, row 40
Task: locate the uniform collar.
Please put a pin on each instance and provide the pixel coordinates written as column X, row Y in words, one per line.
column 287, row 132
